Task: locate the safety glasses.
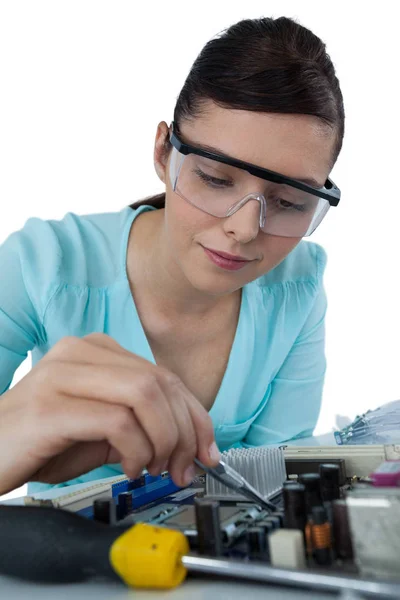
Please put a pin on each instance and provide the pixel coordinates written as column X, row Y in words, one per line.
column 221, row 185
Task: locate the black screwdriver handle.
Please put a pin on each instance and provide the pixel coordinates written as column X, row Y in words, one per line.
column 45, row 544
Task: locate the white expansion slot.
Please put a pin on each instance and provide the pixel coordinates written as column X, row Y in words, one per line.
column 74, row 497
column 360, row 460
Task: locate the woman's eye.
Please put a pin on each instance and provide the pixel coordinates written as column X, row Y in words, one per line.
column 285, row 204
column 213, row 181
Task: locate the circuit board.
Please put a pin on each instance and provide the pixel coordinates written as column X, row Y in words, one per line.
column 322, row 519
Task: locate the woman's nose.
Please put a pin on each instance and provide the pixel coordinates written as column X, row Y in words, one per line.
column 244, row 224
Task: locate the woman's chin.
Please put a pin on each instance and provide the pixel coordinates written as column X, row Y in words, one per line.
column 214, row 284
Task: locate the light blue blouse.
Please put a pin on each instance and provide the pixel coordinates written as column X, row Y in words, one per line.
column 68, row 277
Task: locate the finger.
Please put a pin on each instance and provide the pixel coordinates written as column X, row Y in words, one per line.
column 207, row 450
column 156, row 417
column 95, row 348
column 180, row 464
column 137, row 390
column 101, row 349
column 93, row 432
column 63, row 466
column 116, row 354
column 196, row 431
column 201, row 421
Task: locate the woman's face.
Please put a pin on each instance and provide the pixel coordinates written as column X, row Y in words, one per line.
column 297, row 146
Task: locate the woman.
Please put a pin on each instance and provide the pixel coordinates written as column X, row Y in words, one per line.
column 193, row 314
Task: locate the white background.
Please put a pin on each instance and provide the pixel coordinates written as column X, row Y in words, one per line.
column 84, row 84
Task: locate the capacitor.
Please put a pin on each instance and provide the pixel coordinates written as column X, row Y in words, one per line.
column 256, row 540
column 330, row 488
column 208, row 525
column 104, row 511
column 312, row 484
column 294, row 501
column 125, row 504
column 341, row 530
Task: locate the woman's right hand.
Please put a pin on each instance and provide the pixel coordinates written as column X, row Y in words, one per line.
column 90, row 402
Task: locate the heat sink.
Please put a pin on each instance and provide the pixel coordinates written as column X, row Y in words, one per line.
column 264, row 469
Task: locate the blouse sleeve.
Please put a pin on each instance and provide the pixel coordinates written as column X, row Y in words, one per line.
column 295, row 398
column 28, row 260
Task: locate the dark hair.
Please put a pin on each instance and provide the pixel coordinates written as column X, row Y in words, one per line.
column 263, row 65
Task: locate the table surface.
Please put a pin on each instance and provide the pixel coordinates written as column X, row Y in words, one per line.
column 191, row 589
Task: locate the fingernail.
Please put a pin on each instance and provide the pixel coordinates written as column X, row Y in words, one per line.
column 214, row 453
column 189, row 475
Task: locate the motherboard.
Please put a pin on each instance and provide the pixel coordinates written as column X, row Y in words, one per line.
column 334, row 521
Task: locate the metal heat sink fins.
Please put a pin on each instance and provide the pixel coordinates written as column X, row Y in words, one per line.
column 264, row 469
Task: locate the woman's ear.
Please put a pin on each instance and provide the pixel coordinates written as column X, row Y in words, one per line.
column 161, row 150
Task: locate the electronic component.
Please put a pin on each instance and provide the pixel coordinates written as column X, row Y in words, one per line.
column 387, row 474
column 330, row 481
column 263, row 468
column 234, row 519
column 298, row 466
column 275, row 521
column 318, row 536
column 238, row 484
column 374, row 516
column 104, row 511
column 341, row 530
column 294, row 502
column 125, row 504
column 279, row 514
column 286, row 549
column 209, row 538
column 312, row 485
column 81, row 497
column 267, row 526
column 256, row 540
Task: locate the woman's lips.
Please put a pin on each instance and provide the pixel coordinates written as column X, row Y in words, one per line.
column 222, row 260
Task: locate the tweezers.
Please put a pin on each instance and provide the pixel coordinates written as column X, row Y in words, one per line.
column 233, row 480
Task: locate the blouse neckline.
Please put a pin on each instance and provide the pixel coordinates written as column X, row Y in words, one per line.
column 216, row 411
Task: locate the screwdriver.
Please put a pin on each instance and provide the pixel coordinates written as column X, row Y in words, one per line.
column 51, row 545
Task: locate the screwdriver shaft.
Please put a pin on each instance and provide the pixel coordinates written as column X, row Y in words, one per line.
column 304, row 579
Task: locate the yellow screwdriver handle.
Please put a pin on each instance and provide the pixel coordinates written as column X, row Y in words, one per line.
column 147, row 556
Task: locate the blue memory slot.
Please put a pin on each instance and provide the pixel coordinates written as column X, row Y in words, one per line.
column 153, row 491
column 127, row 485
column 144, row 489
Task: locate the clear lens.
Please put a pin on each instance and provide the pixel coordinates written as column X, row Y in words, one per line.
column 216, row 188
